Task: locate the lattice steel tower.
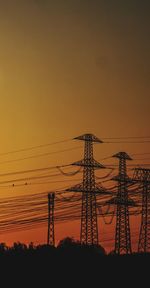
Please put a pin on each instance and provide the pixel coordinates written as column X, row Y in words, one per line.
column 142, row 175
column 50, row 234
column 89, row 189
column 122, row 234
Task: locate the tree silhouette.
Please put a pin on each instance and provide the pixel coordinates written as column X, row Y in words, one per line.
column 3, row 247
column 69, row 245
column 68, row 242
column 18, row 246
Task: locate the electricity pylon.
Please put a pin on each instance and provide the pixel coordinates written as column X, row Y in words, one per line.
column 122, row 234
column 142, row 176
column 89, row 189
column 50, row 234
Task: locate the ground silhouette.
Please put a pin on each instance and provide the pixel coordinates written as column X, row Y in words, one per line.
column 43, row 264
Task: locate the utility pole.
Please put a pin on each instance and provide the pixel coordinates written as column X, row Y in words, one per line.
column 122, row 234
column 50, row 234
column 142, row 176
column 89, row 189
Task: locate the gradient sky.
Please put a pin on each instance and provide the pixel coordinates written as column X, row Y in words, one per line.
column 68, row 67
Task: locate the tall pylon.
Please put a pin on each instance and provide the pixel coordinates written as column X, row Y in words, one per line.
column 142, row 176
column 89, row 189
column 51, row 234
column 122, row 234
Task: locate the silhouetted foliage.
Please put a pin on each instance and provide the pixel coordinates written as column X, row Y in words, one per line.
column 72, row 248
column 67, row 247
column 68, row 242
column 3, row 248
column 68, row 259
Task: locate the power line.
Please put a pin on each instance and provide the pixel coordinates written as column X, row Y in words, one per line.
column 129, row 142
column 33, row 170
column 127, row 137
column 31, row 178
column 67, row 140
column 141, row 159
column 40, row 183
column 35, row 147
column 135, row 154
column 41, row 155
column 129, row 165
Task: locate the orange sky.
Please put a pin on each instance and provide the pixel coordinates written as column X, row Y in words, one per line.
column 69, row 67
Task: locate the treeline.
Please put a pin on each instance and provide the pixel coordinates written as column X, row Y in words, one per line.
column 66, row 247
column 67, row 263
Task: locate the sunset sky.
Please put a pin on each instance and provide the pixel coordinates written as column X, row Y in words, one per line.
column 69, row 67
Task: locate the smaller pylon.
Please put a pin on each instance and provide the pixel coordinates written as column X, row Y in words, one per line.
column 122, row 236
column 51, row 234
column 142, row 176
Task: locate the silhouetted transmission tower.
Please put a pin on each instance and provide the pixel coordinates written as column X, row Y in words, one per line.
column 89, row 189
column 122, row 236
column 142, row 175
column 50, row 234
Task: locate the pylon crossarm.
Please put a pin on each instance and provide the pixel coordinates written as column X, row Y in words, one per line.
column 89, row 163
